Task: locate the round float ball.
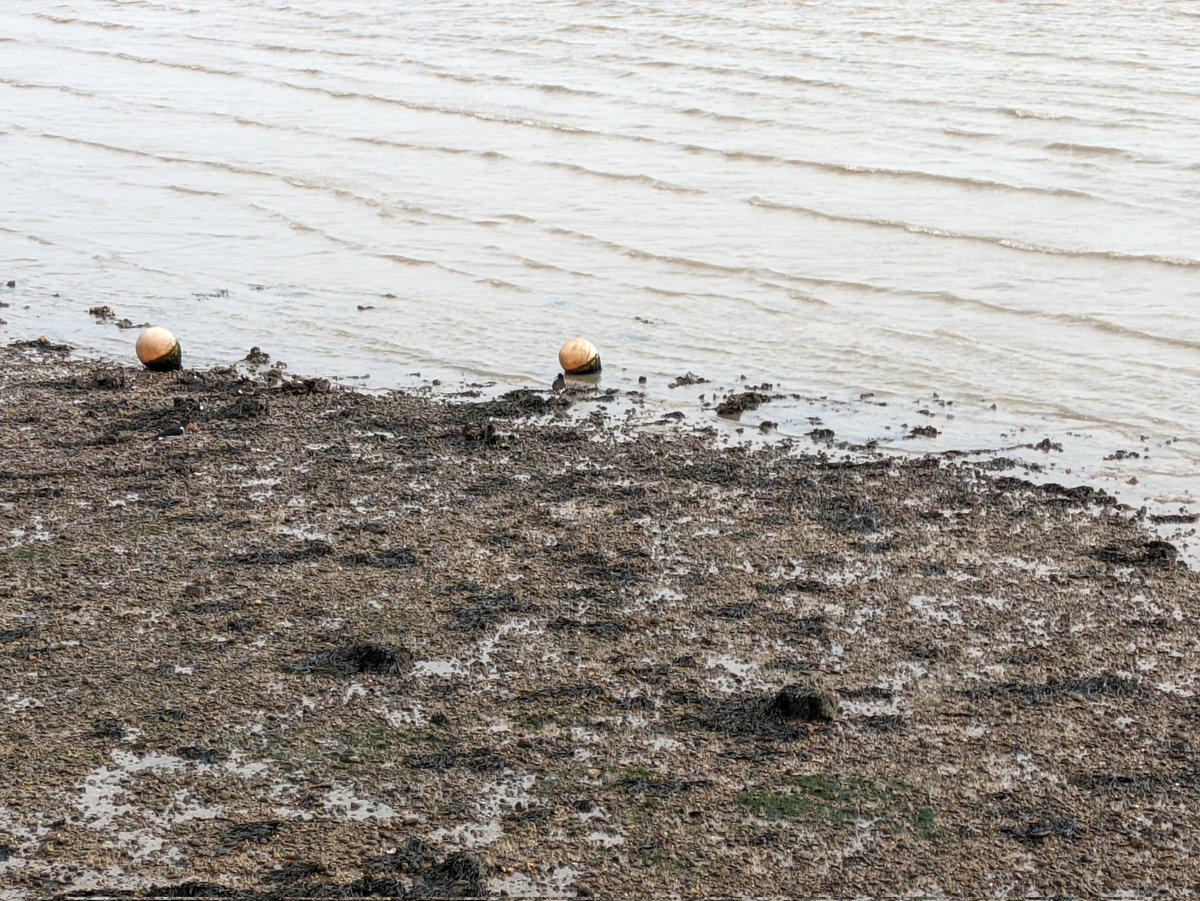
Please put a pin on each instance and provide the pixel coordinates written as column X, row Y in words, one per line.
column 579, row 357
column 158, row 350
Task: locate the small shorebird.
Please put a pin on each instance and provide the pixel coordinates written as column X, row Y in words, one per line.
column 177, row 431
column 560, row 383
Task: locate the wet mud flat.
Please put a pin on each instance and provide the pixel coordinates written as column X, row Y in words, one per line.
column 331, row 644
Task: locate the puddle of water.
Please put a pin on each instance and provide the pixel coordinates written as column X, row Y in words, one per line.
column 400, row 717
column 497, row 797
column 302, row 533
column 605, row 839
column 938, row 610
column 555, row 884
column 100, row 790
column 342, row 803
column 27, row 841
column 481, row 655
column 15, row 700
column 743, row 674
column 246, row 770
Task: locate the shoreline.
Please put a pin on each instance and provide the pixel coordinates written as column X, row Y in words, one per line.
column 1150, row 469
column 334, row 636
column 1143, row 470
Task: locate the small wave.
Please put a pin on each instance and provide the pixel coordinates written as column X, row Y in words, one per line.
column 1094, row 322
column 770, row 278
column 1009, row 243
column 805, row 297
column 109, row 258
column 638, row 178
column 500, row 283
column 407, row 261
column 668, row 292
column 214, row 164
column 37, row 86
column 65, row 20
column 302, row 227
column 1185, row 262
column 387, row 142
column 1116, row 328
column 83, row 142
column 282, row 48
column 883, row 172
column 641, row 178
column 36, row 239
column 964, row 133
column 187, row 67
column 674, row 259
column 670, row 259
column 258, row 123
column 756, row 75
column 183, row 189
column 538, row 265
column 699, row 113
column 1091, row 150
column 574, row 28
column 676, row 294
column 543, row 266
column 560, row 89
column 1033, row 114
column 355, row 245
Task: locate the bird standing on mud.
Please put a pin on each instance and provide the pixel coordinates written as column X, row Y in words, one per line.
column 176, row 431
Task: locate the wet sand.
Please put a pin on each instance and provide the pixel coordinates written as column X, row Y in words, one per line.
column 334, row 644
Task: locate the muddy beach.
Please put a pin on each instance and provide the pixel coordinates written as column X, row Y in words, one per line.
column 332, row 644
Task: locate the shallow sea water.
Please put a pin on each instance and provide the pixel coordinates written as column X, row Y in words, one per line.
column 987, row 212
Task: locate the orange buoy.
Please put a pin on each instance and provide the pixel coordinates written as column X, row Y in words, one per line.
column 578, row 356
column 158, row 350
